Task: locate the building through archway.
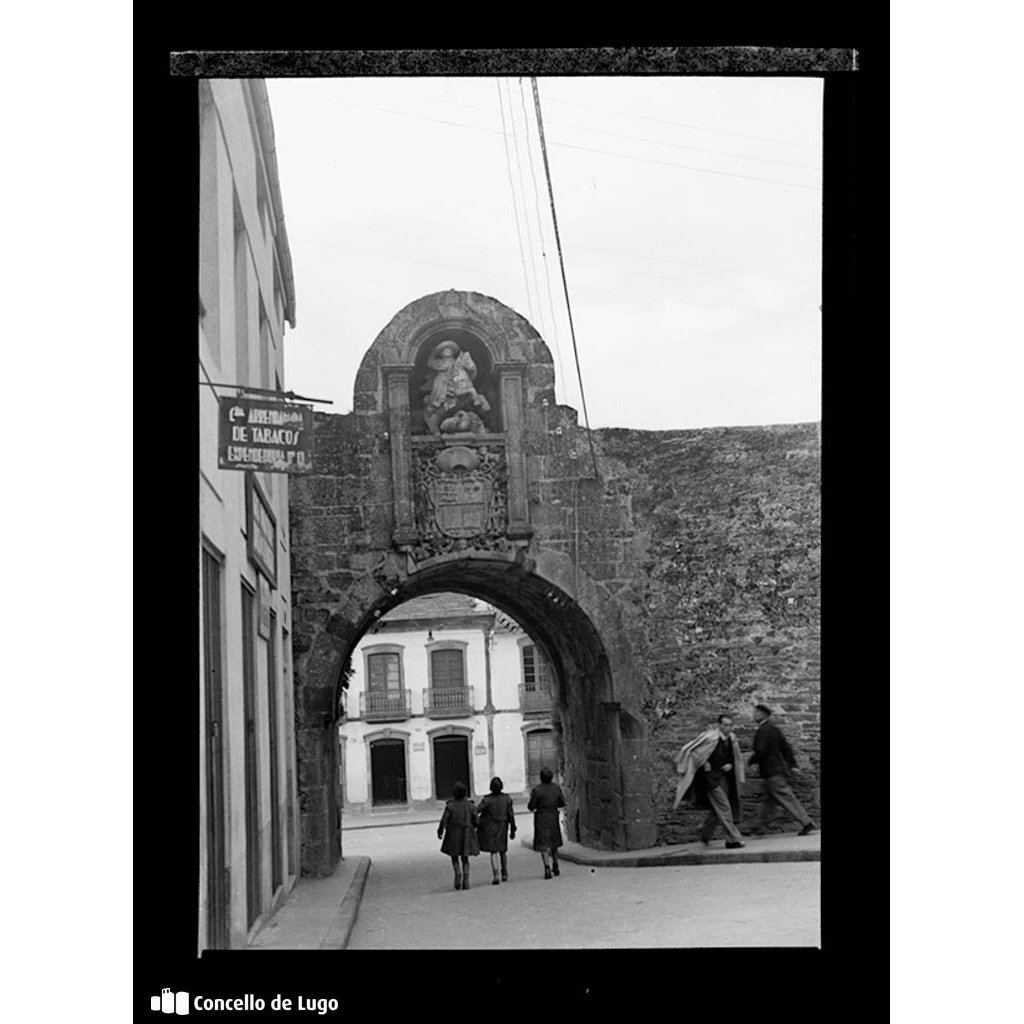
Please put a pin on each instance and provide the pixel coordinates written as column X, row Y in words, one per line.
column 445, row 689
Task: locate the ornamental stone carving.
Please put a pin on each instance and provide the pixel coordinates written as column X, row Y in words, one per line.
column 460, row 498
column 451, row 403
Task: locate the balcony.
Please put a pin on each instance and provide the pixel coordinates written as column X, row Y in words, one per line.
column 535, row 701
column 448, row 703
column 385, row 705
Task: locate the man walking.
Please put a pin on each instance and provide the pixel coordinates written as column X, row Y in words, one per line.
column 774, row 756
column 711, row 770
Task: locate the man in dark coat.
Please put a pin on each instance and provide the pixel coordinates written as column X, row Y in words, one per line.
column 711, row 772
column 774, row 756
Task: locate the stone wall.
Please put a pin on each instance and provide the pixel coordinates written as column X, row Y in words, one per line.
column 668, row 576
column 718, row 559
column 695, row 555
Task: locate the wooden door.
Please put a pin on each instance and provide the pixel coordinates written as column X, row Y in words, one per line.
column 216, row 860
column 253, row 872
column 387, row 772
column 541, row 752
column 451, row 764
column 276, row 860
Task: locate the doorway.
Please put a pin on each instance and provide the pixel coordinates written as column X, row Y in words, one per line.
column 387, row 772
column 541, row 752
column 253, row 851
column 451, row 764
column 217, row 888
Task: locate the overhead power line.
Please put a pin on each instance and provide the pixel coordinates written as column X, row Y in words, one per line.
column 597, row 290
column 526, row 215
column 682, row 124
column 543, row 248
column 476, row 230
column 685, row 124
column 588, row 149
column 561, row 263
column 515, row 211
column 653, row 142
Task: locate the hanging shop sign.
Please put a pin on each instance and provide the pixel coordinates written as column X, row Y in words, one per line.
column 272, row 437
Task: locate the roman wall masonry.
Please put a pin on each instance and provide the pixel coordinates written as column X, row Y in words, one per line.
column 680, row 581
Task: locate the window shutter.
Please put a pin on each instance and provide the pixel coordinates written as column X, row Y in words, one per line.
column 447, row 669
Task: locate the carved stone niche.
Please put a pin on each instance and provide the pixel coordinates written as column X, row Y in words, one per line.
column 458, row 471
column 453, row 388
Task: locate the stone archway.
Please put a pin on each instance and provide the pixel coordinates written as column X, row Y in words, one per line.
column 404, row 505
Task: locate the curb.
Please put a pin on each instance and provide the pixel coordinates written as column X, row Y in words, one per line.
column 365, row 822
column 341, row 927
column 655, row 860
column 388, row 824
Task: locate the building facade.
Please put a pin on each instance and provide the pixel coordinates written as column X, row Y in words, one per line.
column 443, row 689
column 248, row 819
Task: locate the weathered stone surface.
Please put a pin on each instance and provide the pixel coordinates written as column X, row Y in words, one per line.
column 682, row 582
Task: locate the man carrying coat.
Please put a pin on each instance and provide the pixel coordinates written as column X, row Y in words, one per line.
column 711, row 771
column 774, row 756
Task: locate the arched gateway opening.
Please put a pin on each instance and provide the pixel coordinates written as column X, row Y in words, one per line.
column 456, row 473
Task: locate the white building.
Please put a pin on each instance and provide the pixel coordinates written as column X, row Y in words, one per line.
column 444, row 689
column 248, row 836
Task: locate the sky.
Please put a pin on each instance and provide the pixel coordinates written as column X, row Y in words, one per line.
column 689, row 211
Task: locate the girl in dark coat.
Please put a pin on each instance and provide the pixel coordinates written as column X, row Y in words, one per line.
column 497, row 823
column 458, row 829
column 545, row 800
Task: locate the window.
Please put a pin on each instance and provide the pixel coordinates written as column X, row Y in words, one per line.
column 384, row 672
column 262, row 204
column 241, row 300
column 384, row 698
column 535, row 669
column 447, row 669
column 265, row 345
column 261, row 530
column 279, row 307
column 209, row 235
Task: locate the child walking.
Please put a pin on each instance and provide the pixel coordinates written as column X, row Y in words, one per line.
column 545, row 800
column 497, row 821
column 458, row 829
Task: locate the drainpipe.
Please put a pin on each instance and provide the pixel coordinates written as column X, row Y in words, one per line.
column 489, row 707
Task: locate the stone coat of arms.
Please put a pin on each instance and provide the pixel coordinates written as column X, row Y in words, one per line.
column 461, row 496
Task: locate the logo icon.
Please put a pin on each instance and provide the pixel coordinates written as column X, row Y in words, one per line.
column 169, row 1002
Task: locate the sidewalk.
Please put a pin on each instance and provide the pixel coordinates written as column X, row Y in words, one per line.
column 320, row 913
column 758, row 850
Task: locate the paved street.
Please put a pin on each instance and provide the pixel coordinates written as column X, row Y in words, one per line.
column 409, row 902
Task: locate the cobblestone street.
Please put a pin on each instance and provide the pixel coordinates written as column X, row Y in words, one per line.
column 409, row 901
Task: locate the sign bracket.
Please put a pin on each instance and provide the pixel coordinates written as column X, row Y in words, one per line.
column 281, row 396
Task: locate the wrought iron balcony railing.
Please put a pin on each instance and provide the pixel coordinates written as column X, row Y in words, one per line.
column 456, row 702
column 385, row 705
column 534, row 701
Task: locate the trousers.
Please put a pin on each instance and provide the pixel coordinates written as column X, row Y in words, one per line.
column 720, row 814
column 777, row 790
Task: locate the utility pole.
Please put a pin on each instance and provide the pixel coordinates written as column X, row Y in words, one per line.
column 488, row 628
